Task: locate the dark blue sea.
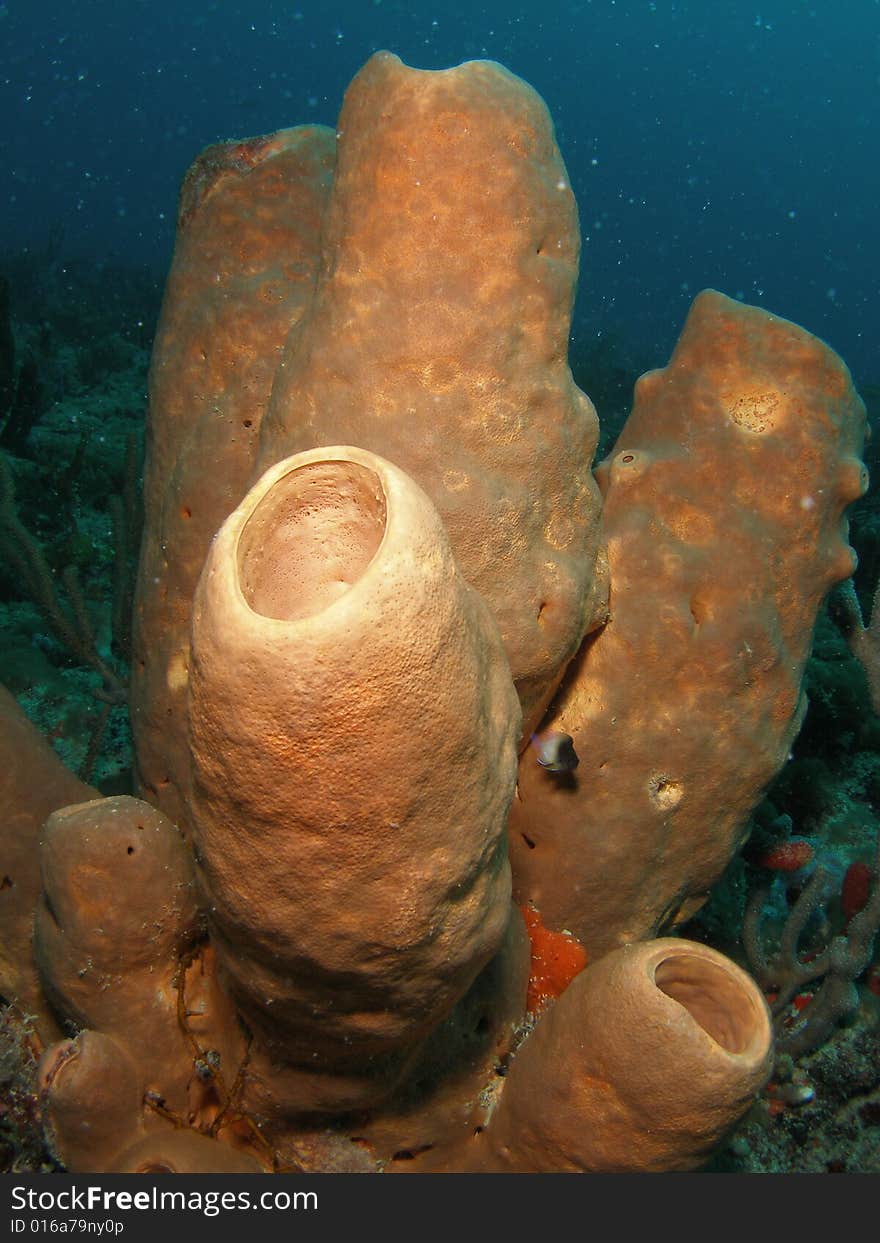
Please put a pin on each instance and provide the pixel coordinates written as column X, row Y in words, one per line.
column 723, row 144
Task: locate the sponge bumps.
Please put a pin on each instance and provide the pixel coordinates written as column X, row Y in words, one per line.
column 724, row 513
column 353, row 733
column 438, row 338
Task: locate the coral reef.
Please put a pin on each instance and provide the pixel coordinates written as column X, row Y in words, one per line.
column 819, row 1116
column 373, row 566
column 825, row 981
column 23, row 1144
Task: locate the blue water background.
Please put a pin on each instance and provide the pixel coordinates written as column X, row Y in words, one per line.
column 709, row 143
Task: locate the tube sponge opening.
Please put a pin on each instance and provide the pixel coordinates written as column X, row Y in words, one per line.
column 715, row 999
column 306, row 543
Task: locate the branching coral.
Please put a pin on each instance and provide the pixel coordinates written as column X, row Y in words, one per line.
column 828, row 975
column 66, row 612
column 71, row 625
column 372, row 557
column 864, row 640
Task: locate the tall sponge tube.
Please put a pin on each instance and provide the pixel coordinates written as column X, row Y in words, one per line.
column 353, row 727
column 438, row 336
column 724, row 512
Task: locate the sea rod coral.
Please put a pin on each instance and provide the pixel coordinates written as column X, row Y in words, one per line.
column 345, row 925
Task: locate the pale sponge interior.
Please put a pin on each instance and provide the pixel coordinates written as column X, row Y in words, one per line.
column 310, row 538
column 714, row 998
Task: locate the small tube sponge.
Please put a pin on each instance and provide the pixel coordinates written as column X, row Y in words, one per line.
column 117, row 913
column 643, row 1064
column 91, row 1093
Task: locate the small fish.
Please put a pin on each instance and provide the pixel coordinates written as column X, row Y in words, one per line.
column 555, row 751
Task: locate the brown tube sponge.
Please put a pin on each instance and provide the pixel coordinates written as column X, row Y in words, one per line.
column 438, row 338
column 650, row 1056
column 724, row 514
column 117, row 912
column 353, row 728
column 243, row 270
column 91, row 1094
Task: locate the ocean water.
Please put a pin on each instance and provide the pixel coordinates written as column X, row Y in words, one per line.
column 725, row 144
